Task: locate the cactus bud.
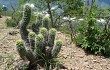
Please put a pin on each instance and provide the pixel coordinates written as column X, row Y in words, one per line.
column 19, row 43
column 52, row 31
column 39, row 37
column 31, row 34
column 57, row 48
column 43, row 31
column 59, row 43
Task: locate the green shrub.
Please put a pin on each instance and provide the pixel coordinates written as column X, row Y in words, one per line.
column 14, row 21
column 0, row 12
column 64, row 28
column 94, row 39
column 10, row 23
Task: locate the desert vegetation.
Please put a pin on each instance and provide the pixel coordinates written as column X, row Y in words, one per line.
column 55, row 35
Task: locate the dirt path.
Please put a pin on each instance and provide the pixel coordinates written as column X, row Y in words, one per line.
column 72, row 57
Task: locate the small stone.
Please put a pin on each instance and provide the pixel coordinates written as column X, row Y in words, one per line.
column 85, row 63
column 87, row 66
column 81, row 56
column 91, row 67
column 65, row 56
column 74, row 51
column 94, row 60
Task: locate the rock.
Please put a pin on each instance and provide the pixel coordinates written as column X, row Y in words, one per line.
column 87, row 66
column 13, row 32
column 85, row 63
column 81, row 56
column 94, row 60
column 65, row 56
column 74, row 51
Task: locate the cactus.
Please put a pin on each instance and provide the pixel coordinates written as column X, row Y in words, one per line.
column 44, row 32
column 23, row 52
column 21, row 49
column 38, row 45
column 46, row 22
column 35, row 27
column 31, row 38
column 52, row 33
column 57, row 48
column 25, row 21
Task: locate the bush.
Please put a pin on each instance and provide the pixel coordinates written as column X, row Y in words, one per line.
column 94, row 39
column 10, row 23
column 14, row 21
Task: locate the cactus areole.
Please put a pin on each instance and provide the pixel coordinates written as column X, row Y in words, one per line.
column 37, row 46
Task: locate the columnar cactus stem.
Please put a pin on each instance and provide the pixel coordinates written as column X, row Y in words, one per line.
column 25, row 21
column 35, row 27
column 30, row 56
column 21, row 49
column 57, row 48
column 39, row 18
column 44, row 32
column 52, row 33
column 23, row 52
column 39, row 44
column 39, row 41
column 31, row 37
column 46, row 22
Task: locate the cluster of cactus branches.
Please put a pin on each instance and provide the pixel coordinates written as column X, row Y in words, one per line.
column 37, row 46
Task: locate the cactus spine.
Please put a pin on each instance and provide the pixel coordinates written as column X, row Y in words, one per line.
column 38, row 45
